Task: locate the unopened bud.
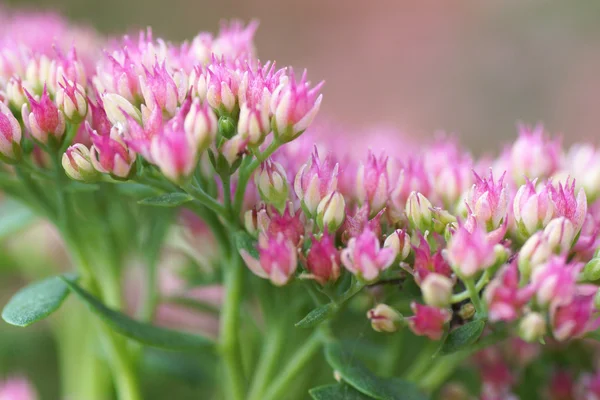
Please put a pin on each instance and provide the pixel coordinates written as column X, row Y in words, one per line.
column 467, row 311
column 437, row 290
column 534, row 252
column 272, row 184
column 441, row 219
column 71, row 100
column 418, row 211
column 117, row 107
column 532, row 327
column 226, row 127
column 10, row 136
column 400, row 242
column 384, row 318
column 330, row 212
column 591, row 271
column 559, row 234
column 78, row 164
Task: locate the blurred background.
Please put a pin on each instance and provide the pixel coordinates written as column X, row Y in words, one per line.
column 469, row 67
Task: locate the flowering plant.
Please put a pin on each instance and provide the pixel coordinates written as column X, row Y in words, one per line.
column 143, row 152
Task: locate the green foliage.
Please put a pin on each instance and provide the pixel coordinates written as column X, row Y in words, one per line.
column 462, row 337
column 336, row 392
column 316, row 316
column 167, row 200
column 144, row 333
column 36, row 301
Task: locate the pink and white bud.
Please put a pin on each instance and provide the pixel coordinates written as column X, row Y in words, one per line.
column 532, row 327
column 567, row 205
column 10, row 136
column 316, row 180
column 200, row 125
column 532, row 210
column 451, row 182
column 118, row 108
column 110, row 155
column 234, row 148
column 37, row 74
column 15, row 92
column 45, row 121
column 77, row 163
column 583, row 163
column 535, row 252
column 418, row 211
column 365, row 258
column 385, row 319
column 254, row 123
column 437, row 290
column 118, row 74
column 72, row 101
column 294, row 106
column 17, row 388
column 428, row 321
column 288, row 223
column 222, row 87
column 277, row 259
column 323, row 260
column 272, row 184
column 574, row 319
column 504, row 297
column 372, row 184
column 427, row 262
column 159, row 89
column 470, row 252
column 559, row 234
column 555, row 282
column 399, row 240
column 534, row 154
column 175, row 154
column 412, row 178
column 331, row 212
column 488, row 201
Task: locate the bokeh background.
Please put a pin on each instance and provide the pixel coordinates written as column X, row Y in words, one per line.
column 474, row 68
column 469, row 67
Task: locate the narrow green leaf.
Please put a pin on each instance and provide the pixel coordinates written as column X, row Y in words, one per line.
column 357, row 375
column 316, row 316
column 243, row 241
column 36, row 301
column 167, row 200
column 75, row 187
column 337, row 391
column 14, row 217
column 144, row 333
column 462, row 337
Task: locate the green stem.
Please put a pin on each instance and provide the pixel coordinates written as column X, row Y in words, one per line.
column 485, row 278
column 301, row 357
column 474, row 295
column 440, row 372
column 204, row 198
column 271, row 353
column 228, row 341
column 423, row 362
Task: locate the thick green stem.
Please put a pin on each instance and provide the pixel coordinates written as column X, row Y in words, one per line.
column 301, row 357
column 228, row 341
column 474, row 294
column 271, row 353
column 206, row 200
column 440, row 372
column 485, row 278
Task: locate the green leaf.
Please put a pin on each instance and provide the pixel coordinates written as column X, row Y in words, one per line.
column 338, row 391
column 243, row 241
column 357, row 375
column 144, row 333
column 14, row 217
column 317, row 316
column 75, row 187
column 462, row 337
column 167, row 200
column 36, row 301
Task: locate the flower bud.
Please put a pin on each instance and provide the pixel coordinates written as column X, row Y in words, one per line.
column 234, row 148
column 385, row 319
column 437, row 290
column 117, row 106
column 532, row 327
column 372, row 183
column 428, row 321
column 315, row 180
column 272, row 184
column 532, row 210
column 174, row 154
column 323, row 260
column 533, row 253
column 470, row 252
column 15, row 93
column 365, row 258
column 559, row 235
column 10, row 136
column 77, row 163
column 254, row 123
column 200, row 125
column 226, row 127
column 418, row 211
column 110, row 155
column 70, row 98
column 46, row 122
column 488, row 201
column 442, row 219
column 400, row 242
column 567, row 204
column 591, row 271
column 331, row 212
column 277, row 259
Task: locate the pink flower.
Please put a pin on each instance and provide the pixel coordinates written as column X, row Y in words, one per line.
column 45, row 120
column 355, row 224
column 10, row 135
column 160, row 89
column 77, row 163
column 174, row 155
column 315, row 180
column 222, row 86
column 72, row 101
column 287, row 223
column 117, row 74
column 470, row 252
column 272, row 184
column 561, row 386
column 372, row 184
column 294, row 106
column 384, row 318
column 277, row 259
column 234, row 40
column 110, row 155
column 17, row 388
column 532, row 210
column 488, row 201
column 412, row 177
column 583, row 163
column 575, row 318
column 555, row 281
column 504, row 297
column 534, row 155
column 365, row 258
column 426, row 262
column 588, row 387
column 323, row 260
column 200, row 125
column 567, row 205
column 428, row 321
